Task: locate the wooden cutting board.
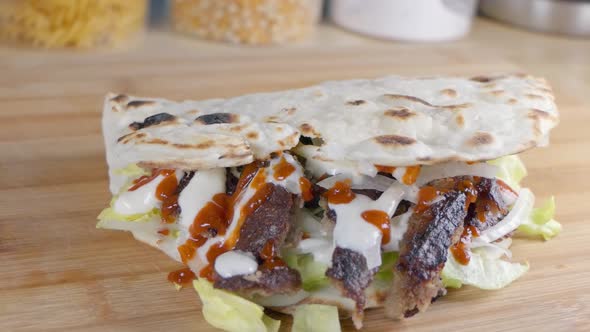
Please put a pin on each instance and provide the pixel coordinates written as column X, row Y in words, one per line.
column 59, row 273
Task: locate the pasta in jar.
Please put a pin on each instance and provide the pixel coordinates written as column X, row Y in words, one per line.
column 71, row 23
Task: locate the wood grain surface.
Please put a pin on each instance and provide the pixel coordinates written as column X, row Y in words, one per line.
column 59, row 273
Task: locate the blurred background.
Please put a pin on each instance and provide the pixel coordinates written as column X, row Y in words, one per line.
column 94, row 24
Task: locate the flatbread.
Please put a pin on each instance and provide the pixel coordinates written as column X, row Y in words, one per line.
column 392, row 121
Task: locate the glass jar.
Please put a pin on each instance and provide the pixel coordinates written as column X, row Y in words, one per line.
column 72, row 23
column 256, row 22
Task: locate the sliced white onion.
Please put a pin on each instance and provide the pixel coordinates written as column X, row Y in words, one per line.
column 321, row 249
column 519, row 213
column 390, row 199
column 309, row 223
column 492, row 250
column 508, row 196
column 378, row 182
column 455, row 168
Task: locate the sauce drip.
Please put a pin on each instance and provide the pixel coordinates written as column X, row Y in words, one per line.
column 272, row 263
column 425, row 196
column 268, row 251
column 165, row 192
column 170, row 209
column 208, row 272
column 247, row 174
column 306, row 192
column 340, row 193
column 460, row 250
column 283, row 169
column 212, row 219
column 379, row 219
column 259, row 198
column 182, row 277
column 145, row 179
column 167, row 188
column 270, row 257
column 259, row 179
column 469, row 189
column 411, row 174
column 385, row 169
column 188, row 249
column 164, row 231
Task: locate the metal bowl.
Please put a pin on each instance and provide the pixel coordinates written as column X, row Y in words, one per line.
column 571, row 17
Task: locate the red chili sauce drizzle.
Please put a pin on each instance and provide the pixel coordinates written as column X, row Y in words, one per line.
column 461, row 250
column 411, row 174
column 270, row 257
column 379, row 219
column 305, row 186
column 215, row 217
column 385, row 169
column 340, row 193
column 183, row 276
column 283, row 169
column 165, row 192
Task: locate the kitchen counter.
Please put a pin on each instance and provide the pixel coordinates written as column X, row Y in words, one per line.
column 59, row 273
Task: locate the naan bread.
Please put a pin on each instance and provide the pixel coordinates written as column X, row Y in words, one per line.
column 392, row 121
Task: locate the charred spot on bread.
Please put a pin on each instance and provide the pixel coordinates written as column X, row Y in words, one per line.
column 217, row 118
column 395, row 140
column 152, row 120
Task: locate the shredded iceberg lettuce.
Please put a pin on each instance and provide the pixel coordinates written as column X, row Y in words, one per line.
column 541, row 221
column 232, row 313
column 482, row 272
column 313, row 273
column 315, row 318
column 510, row 170
column 131, row 171
column 109, row 215
column 385, row 272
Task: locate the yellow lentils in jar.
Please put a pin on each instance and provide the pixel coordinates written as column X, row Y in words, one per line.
column 255, row 22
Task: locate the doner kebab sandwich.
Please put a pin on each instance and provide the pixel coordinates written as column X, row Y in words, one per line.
column 325, row 201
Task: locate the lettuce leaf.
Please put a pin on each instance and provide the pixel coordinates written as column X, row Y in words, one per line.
column 232, row 313
column 541, row 222
column 131, row 170
column 315, row 318
column 108, row 216
column 510, row 169
column 313, row 273
column 482, row 272
column 388, row 260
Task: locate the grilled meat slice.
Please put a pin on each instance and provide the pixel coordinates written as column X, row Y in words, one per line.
column 263, row 234
column 281, row 279
column 270, row 222
column 349, row 272
column 490, row 206
column 423, row 254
